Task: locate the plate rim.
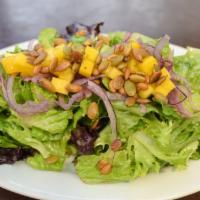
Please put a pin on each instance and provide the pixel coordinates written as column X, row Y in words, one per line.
column 38, row 195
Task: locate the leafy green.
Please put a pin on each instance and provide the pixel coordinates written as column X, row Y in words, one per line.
column 116, row 37
column 86, row 168
column 47, row 37
column 78, row 39
column 54, row 121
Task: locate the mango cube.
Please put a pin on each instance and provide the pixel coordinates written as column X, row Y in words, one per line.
column 165, row 72
column 112, row 72
column 165, row 87
column 86, row 68
column 135, row 45
column 60, row 85
column 132, row 65
column 8, row 64
column 144, row 94
column 91, row 54
column 67, row 74
column 59, row 52
column 148, row 65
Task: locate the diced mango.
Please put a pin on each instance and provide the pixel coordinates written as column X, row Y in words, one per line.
column 67, row 74
column 165, row 72
column 165, row 87
column 50, row 55
column 86, row 68
column 148, row 65
column 59, row 52
column 21, row 65
column 146, row 93
column 132, row 65
column 112, row 72
column 60, row 85
column 91, row 54
column 135, row 45
column 8, row 64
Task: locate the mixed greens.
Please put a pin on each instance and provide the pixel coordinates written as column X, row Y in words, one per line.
column 120, row 103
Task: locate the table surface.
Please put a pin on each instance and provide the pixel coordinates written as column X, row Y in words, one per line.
column 22, row 20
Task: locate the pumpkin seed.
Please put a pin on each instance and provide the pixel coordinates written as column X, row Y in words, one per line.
column 52, row 159
column 130, row 88
column 161, row 80
column 122, row 91
column 136, row 78
column 106, row 169
column 74, row 88
column 130, row 101
column 40, row 58
column 44, row 70
column 96, row 72
column 116, row 59
column 103, row 65
column 33, row 53
column 127, row 73
column 155, row 76
column 142, row 86
column 62, row 66
column 104, row 38
column 139, row 54
column 122, row 65
column 99, row 45
column 53, row 64
column 116, row 145
column 111, row 86
column 127, row 49
column 98, row 61
column 59, row 41
column 93, row 111
column 118, row 82
column 119, row 48
column 143, row 101
column 37, row 47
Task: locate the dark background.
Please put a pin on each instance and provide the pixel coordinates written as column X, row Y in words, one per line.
column 21, row 20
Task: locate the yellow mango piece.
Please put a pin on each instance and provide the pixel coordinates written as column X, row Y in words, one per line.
column 86, row 68
column 8, row 64
column 112, row 72
column 50, row 55
column 132, row 65
column 165, row 87
column 146, row 93
column 60, row 85
column 67, row 74
column 59, row 52
column 21, row 65
column 148, row 65
column 91, row 54
column 165, row 72
column 135, row 45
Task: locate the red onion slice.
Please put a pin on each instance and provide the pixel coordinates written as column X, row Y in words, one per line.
column 96, row 89
column 28, row 108
column 161, row 44
column 74, row 98
column 115, row 96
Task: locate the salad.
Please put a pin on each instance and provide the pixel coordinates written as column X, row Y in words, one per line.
column 120, row 104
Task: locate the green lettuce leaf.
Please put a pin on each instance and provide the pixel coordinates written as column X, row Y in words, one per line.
column 47, row 37
column 86, row 168
column 116, row 37
column 54, row 121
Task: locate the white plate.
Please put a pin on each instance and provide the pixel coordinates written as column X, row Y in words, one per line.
column 66, row 185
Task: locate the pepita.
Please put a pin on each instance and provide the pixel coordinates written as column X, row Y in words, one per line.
column 130, row 88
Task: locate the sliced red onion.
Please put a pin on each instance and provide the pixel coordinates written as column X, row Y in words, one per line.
column 96, row 89
column 161, row 44
column 36, row 78
column 83, row 81
column 115, row 96
column 28, row 108
column 148, row 47
column 74, row 98
column 174, row 100
column 127, row 36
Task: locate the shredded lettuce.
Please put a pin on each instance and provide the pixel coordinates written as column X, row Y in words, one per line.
column 47, row 36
